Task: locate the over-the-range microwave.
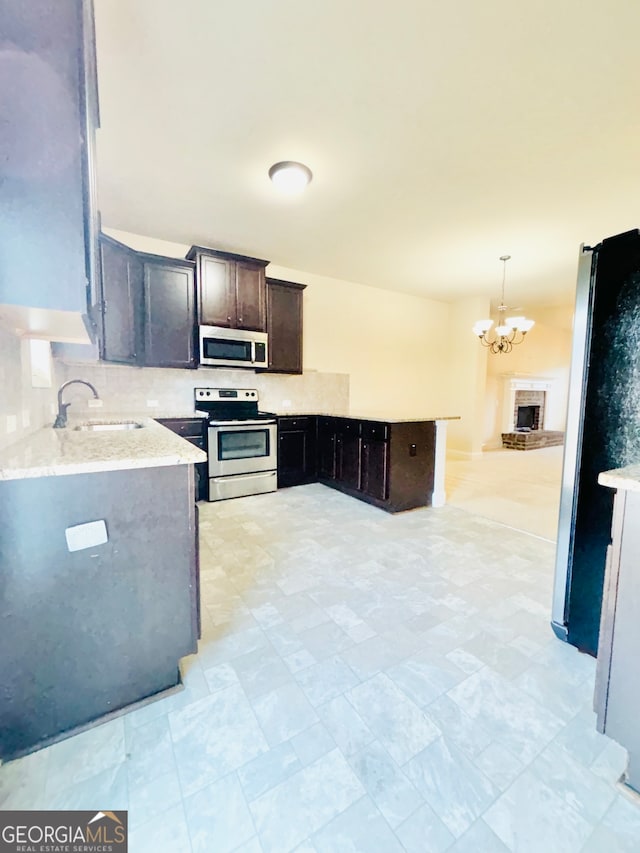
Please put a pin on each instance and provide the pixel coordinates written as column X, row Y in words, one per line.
column 221, row 347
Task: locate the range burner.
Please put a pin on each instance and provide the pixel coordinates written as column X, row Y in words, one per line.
column 230, row 404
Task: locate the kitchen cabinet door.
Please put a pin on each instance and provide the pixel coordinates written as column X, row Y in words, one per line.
column 217, row 291
column 326, row 449
column 169, row 313
column 348, row 455
column 284, row 325
column 251, row 311
column 374, row 469
column 45, row 134
column 231, row 289
column 121, row 302
column 296, row 451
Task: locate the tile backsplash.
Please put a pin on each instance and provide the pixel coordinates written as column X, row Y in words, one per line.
column 23, row 409
column 132, row 389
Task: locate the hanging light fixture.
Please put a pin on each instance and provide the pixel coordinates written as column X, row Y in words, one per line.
column 509, row 331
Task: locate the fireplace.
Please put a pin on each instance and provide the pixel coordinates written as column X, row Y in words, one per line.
column 528, row 408
column 528, row 417
column 524, row 413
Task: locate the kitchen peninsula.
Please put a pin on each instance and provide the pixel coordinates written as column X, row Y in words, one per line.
column 393, row 463
column 99, row 575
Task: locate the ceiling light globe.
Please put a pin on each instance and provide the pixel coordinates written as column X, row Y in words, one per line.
column 482, row 327
column 290, row 177
column 515, row 322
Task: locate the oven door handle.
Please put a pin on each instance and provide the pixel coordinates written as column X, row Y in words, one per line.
column 253, row 352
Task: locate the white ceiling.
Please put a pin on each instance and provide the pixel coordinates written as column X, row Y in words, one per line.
column 440, row 135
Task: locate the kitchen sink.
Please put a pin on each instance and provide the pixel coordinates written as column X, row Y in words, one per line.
column 107, row 426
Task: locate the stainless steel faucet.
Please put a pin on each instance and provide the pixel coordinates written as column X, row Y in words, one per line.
column 61, row 420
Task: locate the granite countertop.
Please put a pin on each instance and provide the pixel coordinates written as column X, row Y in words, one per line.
column 622, row 478
column 56, row 452
column 377, row 417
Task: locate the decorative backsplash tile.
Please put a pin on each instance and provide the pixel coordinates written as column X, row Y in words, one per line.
column 131, row 389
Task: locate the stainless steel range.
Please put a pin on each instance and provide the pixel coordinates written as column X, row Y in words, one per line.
column 242, row 443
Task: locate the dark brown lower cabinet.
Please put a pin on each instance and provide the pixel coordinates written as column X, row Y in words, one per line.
column 348, row 455
column 86, row 633
column 390, row 465
column 374, row 477
column 327, row 435
column 296, row 451
column 193, row 430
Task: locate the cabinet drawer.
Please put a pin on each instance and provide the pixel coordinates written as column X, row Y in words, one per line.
column 375, row 431
column 287, row 424
column 327, row 423
column 348, row 427
column 184, row 426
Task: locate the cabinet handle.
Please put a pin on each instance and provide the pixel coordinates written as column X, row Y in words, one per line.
column 239, row 319
column 229, row 319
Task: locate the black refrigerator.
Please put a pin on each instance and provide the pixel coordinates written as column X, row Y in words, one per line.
column 603, row 428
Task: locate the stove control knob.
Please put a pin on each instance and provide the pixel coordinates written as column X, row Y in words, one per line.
column 246, row 393
column 208, row 393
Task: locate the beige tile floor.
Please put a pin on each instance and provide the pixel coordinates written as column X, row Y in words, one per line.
column 518, row 488
column 365, row 683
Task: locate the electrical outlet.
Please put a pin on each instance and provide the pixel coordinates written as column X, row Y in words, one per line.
column 95, row 404
column 12, row 423
column 152, row 404
column 26, row 418
column 286, row 404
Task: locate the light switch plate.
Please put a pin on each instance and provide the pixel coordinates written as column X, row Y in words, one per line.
column 152, row 404
column 88, row 535
column 94, row 404
column 12, row 423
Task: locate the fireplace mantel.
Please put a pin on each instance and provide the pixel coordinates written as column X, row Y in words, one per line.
column 515, row 382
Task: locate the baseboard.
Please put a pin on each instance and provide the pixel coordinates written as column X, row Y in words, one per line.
column 463, row 455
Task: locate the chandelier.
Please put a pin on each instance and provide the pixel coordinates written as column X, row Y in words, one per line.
column 509, row 331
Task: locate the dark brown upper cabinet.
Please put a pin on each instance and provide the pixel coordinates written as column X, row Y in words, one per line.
column 169, row 312
column 284, row 325
column 48, row 114
column 231, row 289
column 147, row 307
column 121, row 302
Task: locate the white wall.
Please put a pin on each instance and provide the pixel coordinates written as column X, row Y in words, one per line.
column 23, row 408
column 390, row 344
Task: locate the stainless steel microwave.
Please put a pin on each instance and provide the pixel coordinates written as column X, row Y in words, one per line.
column 232, row 347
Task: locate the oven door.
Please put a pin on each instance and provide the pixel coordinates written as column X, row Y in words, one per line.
column 242, row 448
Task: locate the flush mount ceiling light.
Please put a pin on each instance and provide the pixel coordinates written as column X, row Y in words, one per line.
column 289, row 176
column 509, row 330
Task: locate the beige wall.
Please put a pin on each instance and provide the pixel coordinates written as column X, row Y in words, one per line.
column 545, row 353
column 467, row 362
column 391, row 345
